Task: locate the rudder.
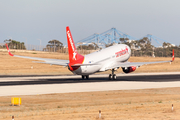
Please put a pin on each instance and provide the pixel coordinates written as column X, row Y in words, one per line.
column 74, row 56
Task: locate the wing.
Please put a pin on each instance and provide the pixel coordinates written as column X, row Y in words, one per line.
column 137, row 64
column 45, row 60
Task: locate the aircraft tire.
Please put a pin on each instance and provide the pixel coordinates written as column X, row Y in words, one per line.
column 83, row 77
column 110, row 77
column 87, row 76
column 114, row 77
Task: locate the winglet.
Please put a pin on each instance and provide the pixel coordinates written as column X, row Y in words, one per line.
column 173, row 55
column 9, row 50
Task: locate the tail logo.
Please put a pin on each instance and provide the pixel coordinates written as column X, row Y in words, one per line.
column 72, row 45
column 74, row 55
column 69, row 36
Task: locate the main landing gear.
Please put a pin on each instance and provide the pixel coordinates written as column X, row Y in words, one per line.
column 85, row 76
column 112, row 76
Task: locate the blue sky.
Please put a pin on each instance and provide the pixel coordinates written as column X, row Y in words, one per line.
column 47, row 19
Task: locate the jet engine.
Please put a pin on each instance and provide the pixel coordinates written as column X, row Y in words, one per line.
column 128, row 69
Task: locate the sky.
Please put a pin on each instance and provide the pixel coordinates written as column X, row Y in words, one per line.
column 33, row 21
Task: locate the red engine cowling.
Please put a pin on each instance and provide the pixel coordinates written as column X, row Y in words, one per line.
column 128, row 69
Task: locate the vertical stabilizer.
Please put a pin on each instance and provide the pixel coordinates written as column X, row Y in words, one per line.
column 74, row 56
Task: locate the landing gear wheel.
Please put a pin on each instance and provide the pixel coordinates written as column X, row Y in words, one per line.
column 110, row 76
column 87, row 76
column 83, row 77
column 114, row 77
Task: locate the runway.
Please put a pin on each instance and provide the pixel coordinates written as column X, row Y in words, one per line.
column 34, row 85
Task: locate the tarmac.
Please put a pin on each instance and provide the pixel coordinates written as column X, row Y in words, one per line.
column 38, row 84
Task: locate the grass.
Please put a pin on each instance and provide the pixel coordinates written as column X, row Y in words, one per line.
column 62, row 106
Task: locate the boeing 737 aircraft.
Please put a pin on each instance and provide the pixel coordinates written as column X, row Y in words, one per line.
column 110, row 58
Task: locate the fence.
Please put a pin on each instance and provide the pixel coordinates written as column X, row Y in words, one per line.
column 158, row 52
column 24, row 47
column 42, row 48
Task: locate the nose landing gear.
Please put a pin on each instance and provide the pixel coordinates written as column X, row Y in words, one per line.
column 112, row 76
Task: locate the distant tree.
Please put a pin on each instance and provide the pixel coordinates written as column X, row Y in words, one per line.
column 54, row 45
column 165, row 45
column 123, row 40
column 95, row 46
column 86, row 47
column 92, row 46
column 108, row 45
column 13, row 44
column 8, row 41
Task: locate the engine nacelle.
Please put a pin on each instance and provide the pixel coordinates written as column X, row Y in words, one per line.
column 128, row 69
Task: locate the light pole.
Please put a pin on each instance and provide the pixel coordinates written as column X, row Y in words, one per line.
column 40, row 43
column 26, row 42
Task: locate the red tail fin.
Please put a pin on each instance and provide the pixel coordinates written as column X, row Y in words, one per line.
column 74, row 56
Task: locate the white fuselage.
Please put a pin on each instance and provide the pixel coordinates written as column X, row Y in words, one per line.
column 104, row 58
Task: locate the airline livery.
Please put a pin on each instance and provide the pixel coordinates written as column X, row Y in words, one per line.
column 110, row 58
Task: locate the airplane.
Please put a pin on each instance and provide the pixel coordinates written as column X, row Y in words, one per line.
column 110, row 58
